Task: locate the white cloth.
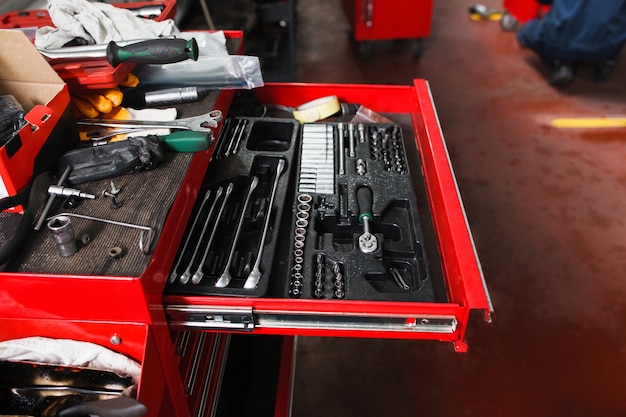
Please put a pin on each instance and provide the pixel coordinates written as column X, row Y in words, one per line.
column 69, row 353
column 161, row 115
column 97, row 23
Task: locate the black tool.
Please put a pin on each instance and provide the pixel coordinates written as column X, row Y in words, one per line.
column 153, row 51
column 367, row 241
column 31, row 198
column 113, row 159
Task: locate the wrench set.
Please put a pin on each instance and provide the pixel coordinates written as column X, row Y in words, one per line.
column 229, row 246
column 323, row 211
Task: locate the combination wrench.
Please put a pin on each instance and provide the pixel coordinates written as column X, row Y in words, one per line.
column 184, row 278
column 255, row 274
column 199, row 274
column 225, row 278
column 174, row 274
column 202, row 123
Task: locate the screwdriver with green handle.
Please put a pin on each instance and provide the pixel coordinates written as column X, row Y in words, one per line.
column 180, row 141
column 154, row 51
column 186, row 141
column 149, row 51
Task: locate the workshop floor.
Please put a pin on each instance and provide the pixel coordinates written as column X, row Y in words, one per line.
column 547, row 209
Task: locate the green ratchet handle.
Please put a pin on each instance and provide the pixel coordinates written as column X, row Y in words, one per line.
column 153, row 51
column 186, row 141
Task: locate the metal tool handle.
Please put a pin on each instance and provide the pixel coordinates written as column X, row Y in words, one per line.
column 154, row 51
column 225, row 278
column 255, row 275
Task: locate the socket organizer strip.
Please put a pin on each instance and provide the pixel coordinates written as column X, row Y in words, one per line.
column 230, row 243
column 358, row 235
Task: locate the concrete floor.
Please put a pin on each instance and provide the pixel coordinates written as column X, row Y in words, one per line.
column 546, row 208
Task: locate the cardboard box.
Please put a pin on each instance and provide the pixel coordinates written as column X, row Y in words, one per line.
column 91, row 73
column 51, row 128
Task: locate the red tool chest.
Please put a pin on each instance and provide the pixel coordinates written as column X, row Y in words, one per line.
column 373, row 20
column 181, row 337
column 518, row 12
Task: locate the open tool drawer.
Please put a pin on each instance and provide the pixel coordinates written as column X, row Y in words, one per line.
column 279, row 196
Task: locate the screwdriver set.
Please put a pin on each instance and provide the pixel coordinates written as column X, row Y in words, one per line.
column 312, row 210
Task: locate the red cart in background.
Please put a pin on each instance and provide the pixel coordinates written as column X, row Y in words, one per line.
column 375, row 20
column 518, row 12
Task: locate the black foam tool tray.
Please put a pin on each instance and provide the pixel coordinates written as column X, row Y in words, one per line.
column 237, row 215
column 328, row 261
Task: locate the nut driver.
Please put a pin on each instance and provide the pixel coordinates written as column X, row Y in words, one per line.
column 225, row 278
column 255, row 274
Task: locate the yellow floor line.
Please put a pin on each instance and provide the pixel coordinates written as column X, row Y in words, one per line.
column 492, row 16
column 589, row 122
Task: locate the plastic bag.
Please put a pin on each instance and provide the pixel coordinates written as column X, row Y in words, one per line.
column 215, row 68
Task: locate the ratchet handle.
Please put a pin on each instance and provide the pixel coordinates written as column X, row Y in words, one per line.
column 364, row 200
column 153, row 51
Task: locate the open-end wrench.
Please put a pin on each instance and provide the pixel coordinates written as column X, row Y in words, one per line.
column 255, row 274
column 225, row 278
column 199, row 274
column 202, row 123
column 184, row 278
column 174, row 274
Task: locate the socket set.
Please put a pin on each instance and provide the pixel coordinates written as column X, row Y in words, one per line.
column 356, row 228
column 313, row 210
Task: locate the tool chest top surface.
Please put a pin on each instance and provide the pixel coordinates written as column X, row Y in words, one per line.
column 373, row 243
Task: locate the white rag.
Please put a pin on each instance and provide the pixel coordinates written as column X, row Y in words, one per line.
column 161, row 115
column 97, row 23
column 69, row 353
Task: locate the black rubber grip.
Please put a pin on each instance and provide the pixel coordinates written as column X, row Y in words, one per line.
column 154, row 51
column 364, row 200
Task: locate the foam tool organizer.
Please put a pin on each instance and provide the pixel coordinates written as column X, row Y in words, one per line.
column 312, row 210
